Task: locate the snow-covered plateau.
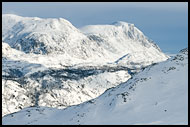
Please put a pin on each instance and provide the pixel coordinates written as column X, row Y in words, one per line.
column 50, row 67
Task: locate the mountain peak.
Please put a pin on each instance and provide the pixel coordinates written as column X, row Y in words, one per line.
column 34, row 19
column 122, row 23
column 38, row 35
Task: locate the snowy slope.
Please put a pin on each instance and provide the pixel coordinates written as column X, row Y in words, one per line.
column 156, row 95
column 125, row 39
column 59, row 37
column 53, row 87
column 56, row 65
column 47, row 36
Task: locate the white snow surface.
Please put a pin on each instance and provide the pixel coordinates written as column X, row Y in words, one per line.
column 125, row 39
column 47, row 38
column 157, row 94
column 52, row 63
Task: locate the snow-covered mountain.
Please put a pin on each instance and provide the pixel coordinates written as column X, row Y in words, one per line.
column 26, row 83
column 157, row 94
column 49, row 62
column 58, row 36
column 126, row 40
column 47, row 36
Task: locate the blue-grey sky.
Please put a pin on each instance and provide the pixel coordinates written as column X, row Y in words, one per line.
column 165, row 23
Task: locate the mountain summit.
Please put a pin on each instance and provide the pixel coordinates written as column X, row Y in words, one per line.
column 59, row 36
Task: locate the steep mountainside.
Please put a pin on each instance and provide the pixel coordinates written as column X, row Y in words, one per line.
column 126, row 40
column 58, row 36
column 157, row 94
column 47, row 36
